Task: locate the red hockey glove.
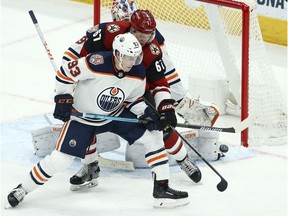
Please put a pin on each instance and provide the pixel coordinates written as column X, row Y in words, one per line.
column 63, row 107
column 167, row 113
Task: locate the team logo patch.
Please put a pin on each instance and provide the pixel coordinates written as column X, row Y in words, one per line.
column 154, row 49
column 72, row 143
column 111, row 99
column 113, row 28
column 93, row 29
column 96, row 59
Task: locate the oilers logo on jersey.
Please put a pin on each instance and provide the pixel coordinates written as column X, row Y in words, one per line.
column 111, row 99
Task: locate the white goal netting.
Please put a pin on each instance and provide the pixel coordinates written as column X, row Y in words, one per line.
column 205, row 44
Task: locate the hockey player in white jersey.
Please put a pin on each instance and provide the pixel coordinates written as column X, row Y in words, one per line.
column 99, row 38
column 106, row 83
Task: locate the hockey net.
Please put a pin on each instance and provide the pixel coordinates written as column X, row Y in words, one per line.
column 218, row 50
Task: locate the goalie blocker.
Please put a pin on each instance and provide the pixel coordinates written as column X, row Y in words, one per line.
column 193, row 112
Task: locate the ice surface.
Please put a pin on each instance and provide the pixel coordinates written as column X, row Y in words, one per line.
column 257, row 177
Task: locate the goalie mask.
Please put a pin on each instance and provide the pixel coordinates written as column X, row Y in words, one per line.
column 122, row 9
column 127, row 51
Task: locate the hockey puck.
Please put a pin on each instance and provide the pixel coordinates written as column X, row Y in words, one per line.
column 224, row 148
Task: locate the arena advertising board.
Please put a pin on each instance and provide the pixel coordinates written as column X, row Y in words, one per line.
column 272, row 8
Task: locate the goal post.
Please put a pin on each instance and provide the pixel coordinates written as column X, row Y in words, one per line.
column 219, row 53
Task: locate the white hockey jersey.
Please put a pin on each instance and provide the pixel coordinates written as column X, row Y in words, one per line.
column 99, row 88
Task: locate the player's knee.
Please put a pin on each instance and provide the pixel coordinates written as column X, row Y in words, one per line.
column 56, row 162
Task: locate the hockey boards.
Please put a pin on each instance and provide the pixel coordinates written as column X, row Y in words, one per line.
column 116, row 164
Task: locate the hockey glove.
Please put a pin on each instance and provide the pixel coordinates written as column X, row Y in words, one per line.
column 167, row 113
column 153, row 118
column 63, row 107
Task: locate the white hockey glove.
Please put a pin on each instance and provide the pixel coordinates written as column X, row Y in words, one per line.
column 194, row 111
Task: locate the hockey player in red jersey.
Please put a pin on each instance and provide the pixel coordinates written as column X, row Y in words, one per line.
column 143, row 26
column 105, row 83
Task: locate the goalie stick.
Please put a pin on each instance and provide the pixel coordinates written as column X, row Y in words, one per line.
column 235, row 129
column 108, row 163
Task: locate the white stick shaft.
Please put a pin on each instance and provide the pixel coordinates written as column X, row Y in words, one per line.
column 50, row 56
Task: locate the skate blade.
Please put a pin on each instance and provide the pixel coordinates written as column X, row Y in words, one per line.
column 170, row 203
column 91, row 184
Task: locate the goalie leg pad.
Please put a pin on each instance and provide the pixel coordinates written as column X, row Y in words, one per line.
column 205, row 142
column 107, row 142
column 44, row 139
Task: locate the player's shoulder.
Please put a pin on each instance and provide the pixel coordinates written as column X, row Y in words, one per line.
column 116, row 27
column 110, row 27
column 100, row 61
column 151, row 51
column 138, row 72
column 159, row 37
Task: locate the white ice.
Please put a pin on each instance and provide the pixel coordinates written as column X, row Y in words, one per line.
column 257, row 177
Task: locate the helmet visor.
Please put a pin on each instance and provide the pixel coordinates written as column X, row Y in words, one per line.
column 132, row 60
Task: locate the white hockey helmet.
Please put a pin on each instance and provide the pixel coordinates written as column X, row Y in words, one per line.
column 127, row 45
column 123, row 9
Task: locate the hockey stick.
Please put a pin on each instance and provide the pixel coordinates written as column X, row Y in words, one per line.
column 235, row 129
column 127, row 165
column 222, row 185
column 35, row 22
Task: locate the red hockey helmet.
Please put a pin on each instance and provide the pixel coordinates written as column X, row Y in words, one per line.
column 143, row 21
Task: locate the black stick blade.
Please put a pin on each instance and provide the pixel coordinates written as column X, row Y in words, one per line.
column 222, row 185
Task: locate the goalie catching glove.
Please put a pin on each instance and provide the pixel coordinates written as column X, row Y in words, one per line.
column 197, row 112
column 63, row 107
column 167, row 113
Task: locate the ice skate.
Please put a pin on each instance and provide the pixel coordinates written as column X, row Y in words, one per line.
column 86, row 177
column 166, row 197
column 190, row 169
column 15, row 196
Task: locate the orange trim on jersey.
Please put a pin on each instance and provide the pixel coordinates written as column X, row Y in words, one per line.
column 96, row 72
column 64, row 130
column 70, row 55
column 172, row 77
column 157, row 158
column 59, row 74
column 38, row 175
